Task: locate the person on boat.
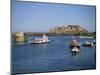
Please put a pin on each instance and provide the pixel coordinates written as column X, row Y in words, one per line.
column 45, row 37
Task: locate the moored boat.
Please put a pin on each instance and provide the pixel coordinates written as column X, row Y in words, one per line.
column 86, row 36
column 87, row 44
column 74, row 45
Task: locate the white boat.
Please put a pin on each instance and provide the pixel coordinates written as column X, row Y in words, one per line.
column 75, row 50
column 88, row 44
column 86, row 36
column 44, row 39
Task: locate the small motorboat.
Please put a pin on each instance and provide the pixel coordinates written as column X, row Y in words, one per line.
column 75, row 50
column 44, row 39
column 87, row 44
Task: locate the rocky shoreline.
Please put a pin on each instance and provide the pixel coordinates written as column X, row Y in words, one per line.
column 61, row 30
column 68, row 29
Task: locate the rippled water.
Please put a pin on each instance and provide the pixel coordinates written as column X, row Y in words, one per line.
column 53, row 56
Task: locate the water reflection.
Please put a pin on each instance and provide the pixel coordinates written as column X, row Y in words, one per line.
column 53, row 56
column 75, row 53
column 20, row 43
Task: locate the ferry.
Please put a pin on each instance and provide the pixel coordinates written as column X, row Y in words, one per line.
column 44, row 39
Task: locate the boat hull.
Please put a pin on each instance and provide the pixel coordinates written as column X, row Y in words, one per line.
column 75, row 50
column 88, row 44
column 40, row 42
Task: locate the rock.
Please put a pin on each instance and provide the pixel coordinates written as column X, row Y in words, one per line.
column 69, row 29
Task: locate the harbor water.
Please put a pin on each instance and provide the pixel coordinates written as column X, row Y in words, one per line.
column 51, row 57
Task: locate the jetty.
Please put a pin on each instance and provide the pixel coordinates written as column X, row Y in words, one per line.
column 19, row 37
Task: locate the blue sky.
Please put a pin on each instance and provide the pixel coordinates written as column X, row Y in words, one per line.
column 40, row 17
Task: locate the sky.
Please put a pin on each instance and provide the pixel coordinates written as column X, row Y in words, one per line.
column 40, row 17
